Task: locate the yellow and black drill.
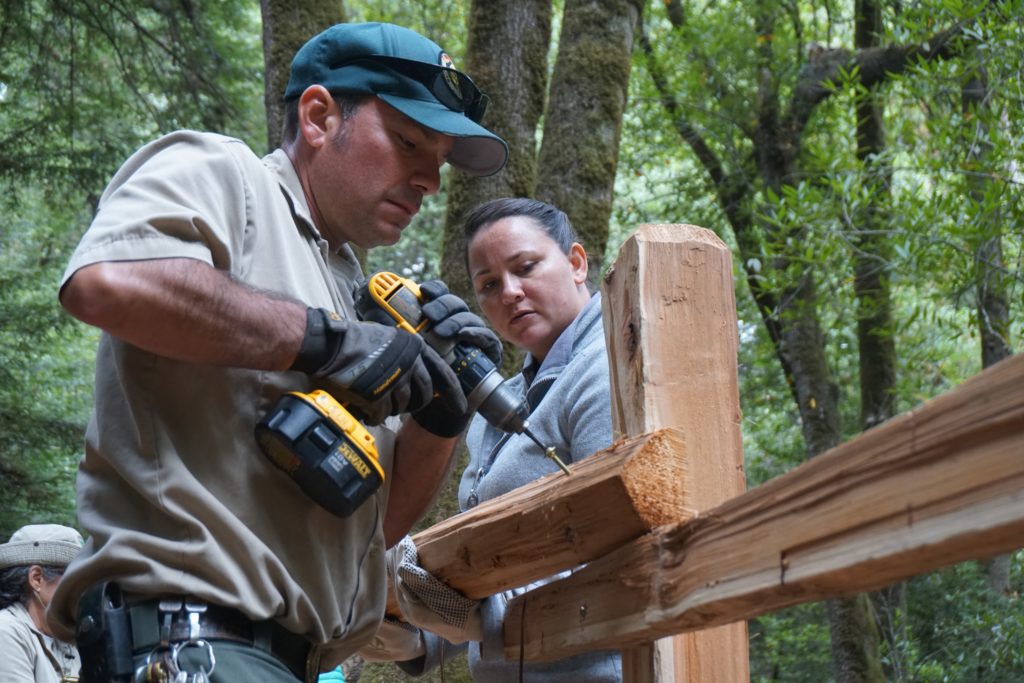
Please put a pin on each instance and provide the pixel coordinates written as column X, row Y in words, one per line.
column 390, row 299
column 325, row 449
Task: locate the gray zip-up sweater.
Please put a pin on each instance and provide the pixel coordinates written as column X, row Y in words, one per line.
column 570, row 400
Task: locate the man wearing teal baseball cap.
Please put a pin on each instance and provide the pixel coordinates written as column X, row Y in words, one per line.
column 410, row 73
column 221, row 281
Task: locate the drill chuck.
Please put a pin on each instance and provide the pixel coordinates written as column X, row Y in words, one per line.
column 498, row 404
column 485, row 388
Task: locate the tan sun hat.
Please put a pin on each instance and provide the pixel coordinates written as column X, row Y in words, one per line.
column 43, row 544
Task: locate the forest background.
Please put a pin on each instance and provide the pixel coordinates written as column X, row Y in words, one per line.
column 862, row 160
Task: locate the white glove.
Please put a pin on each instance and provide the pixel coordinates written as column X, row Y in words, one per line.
column 394, row 641
column 428, row 602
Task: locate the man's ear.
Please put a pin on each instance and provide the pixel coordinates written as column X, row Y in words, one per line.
column 316, row 107
column 578, row 260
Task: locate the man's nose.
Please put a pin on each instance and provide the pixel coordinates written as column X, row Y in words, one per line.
column 426, row 178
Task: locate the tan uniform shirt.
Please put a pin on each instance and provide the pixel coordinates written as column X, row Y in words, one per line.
column 173, row 490
column 27, row 655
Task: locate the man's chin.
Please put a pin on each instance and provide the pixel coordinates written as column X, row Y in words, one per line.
column 389, row 238
column 384, row 236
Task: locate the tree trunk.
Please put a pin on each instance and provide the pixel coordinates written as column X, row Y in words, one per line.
column 287, row 25
column 873, row 252
column 993, row 308
column 854, row 640
column 855, row 635
column 580, row 152
column 506, row 55
column 771, row 253
column 795, row 319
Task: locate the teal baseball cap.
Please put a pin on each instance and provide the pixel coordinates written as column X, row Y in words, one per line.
column 412, row 74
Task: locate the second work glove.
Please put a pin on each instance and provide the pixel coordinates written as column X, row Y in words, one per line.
column 450, row 318
column 427, row 601
column 451, row 321
column 377, row 369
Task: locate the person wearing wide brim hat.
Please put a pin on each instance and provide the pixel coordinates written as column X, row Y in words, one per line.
column 31, row 565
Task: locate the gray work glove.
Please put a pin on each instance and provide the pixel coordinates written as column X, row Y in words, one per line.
column 395, row 641
column 428, row 602
column 450, row 322
column 377, row 369
column 451, row 319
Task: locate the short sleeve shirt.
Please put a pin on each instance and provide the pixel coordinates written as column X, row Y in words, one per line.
column 173, row 489
column 31, row 656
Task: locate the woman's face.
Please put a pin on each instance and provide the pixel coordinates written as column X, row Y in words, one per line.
column 47, row 588
column 528, row 289
column 42, row 590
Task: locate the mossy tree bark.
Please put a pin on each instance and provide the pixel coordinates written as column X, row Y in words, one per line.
column 506, row 54
column 589, row 86
column 286, row 28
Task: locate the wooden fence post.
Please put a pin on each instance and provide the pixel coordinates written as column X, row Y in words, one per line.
column 671, row 327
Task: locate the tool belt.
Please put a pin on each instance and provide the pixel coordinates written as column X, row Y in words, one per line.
column 112, row 629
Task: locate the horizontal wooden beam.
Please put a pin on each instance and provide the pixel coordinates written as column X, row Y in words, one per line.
column 934, row 486
column 560, row 522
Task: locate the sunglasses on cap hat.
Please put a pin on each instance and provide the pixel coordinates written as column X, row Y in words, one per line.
column 451, row 87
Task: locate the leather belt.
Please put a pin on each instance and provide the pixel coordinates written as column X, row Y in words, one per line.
column 177, row 619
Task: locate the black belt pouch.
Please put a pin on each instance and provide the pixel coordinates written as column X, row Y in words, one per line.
column 104, row 635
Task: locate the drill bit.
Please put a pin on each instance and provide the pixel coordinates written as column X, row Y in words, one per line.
column 549, row 451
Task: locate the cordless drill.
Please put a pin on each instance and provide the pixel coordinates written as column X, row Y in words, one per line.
column 330, row 455
column 390, row 299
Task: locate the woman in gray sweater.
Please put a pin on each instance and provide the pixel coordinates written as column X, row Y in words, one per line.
column 529, row 272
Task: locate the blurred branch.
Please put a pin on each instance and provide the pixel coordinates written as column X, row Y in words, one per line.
column 818, row 78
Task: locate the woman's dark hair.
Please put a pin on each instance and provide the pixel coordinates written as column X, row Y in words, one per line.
column 551, row 219
column 14, row 583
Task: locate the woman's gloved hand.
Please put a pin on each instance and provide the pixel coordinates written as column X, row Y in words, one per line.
column 427, row 601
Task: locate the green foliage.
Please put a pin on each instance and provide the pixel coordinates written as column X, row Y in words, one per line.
column 955, row 181
column 962, row 631
column 45, row 383
column 772, row 442
column 791, row 645
column 81, row 86
column 84, row 84
column 958, row 631
column 443, row 21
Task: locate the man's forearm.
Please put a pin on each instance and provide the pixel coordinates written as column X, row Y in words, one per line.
column 186, row 310
column 423, row 463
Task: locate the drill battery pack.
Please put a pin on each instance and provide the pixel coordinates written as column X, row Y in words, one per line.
column 325, row 450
